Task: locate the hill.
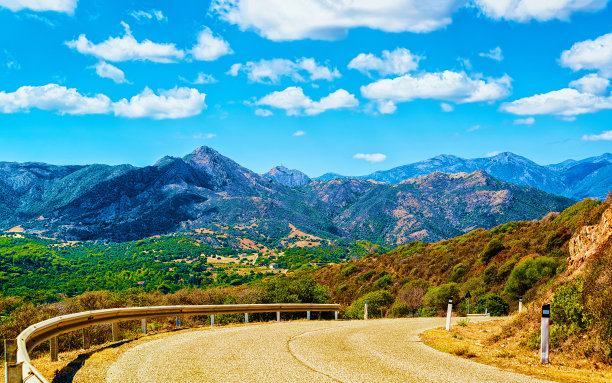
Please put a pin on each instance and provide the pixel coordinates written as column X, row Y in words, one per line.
column 587, row 178
column 205, row 189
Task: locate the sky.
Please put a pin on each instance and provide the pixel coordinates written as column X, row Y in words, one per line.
column 345, row 86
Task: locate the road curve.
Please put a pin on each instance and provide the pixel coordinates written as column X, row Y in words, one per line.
column 386, row 350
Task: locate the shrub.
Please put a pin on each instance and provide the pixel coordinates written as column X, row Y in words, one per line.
column 436, row 298
column 348, row 270
column 400, row 309
column 412, row 294
column 365, row 277
column 525, row 274
column 458, row 272
column 495, row 305
column 376, row 300
column 383, row 281
column 492, row 249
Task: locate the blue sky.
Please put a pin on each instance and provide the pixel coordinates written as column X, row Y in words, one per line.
column 340, row 86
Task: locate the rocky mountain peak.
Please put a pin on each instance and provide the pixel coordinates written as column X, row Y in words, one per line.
column 288, row 177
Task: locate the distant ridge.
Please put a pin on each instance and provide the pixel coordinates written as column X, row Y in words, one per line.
column 590, row 177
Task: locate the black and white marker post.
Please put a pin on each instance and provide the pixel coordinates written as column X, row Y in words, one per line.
column 365, row 311
column 520, row 305
column 544, row 333
column 449, row 312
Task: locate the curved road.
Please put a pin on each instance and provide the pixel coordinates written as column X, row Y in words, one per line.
column 314, row 351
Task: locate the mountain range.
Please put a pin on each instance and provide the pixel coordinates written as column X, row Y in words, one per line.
column 124, row 202
column 590, row 177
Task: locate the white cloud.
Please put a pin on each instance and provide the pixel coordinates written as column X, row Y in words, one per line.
column 127, row 48
column 263, row 112
column 299, row 133
column 106, row 70
column 590, row 54
column 210, row 47
column 605, row 136
column 53, row 97
column 202, row 78
column 563, row 102
column 272, row 71
column 283, row 20
column 65, row 6
column 494, row 54
column 591, row 83
column 449, row 86
column 524, row 121
column 493, row 154
column 150, row 15
column 295, row 103
column 398, row 62
column 447, row 107
column 374, row 157
column 474, row 128
column 169, row 104
column 540, row 10
column 200, row 136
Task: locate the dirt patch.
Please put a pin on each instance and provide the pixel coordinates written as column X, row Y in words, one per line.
column 476, row 341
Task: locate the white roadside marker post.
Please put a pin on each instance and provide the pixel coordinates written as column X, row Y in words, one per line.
column 246, row 317
column 278, row 316
column 449, row 313
column 212, row 320
column 178, row 321
column 335, row 315
column 544, row 333
column 307, row 315
column 365, row 311
column 143, row 326
column 520, row 305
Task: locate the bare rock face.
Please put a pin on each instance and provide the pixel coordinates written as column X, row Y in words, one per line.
column 287, row 177
column 589, row 241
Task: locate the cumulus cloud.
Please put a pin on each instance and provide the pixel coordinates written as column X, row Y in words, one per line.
column 398, row 62
column 295, row 102
column 448, row 86
column 526, row 10
column 203, row 136
column 263, row 112
column 106, row 70
column 591, row 83
column 566, row 102
column 283, row 20
column 210, row 47
column 524, row 121
column 127, row 48
column 447, row 107
column 605, row 136
column 64, row 6
column 494, row 54
column 373, row 157
column 590, row 54
column 148, row 16
column 169, row 104
column 173, row 103
column 272, row 71
column 299, row 133
column 53, row 97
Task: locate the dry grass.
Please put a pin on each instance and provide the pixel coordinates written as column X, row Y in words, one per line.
column 480, row 342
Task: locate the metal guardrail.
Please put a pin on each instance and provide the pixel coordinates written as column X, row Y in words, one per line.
column 19, row 369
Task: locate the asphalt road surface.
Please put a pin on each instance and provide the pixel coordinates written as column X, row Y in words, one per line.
column 386, row 350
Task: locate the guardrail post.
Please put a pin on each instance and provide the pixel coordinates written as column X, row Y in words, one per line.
column 86, row 338
column 307, row 315
column 178, row 321
column 115, row 331
column 212, row 320
column 246, row 317
column 278, row 316
column 12, row 369
column 449, row 313
column 143, row 326
column 335, row 315
column 53, row 348
column 365, row 311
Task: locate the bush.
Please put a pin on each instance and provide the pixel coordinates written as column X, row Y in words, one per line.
column 412, row 294
column 365, row 277
column 348, row 270
column 566, row 310
column 495, row 305
column 525, row 274
column 492, row 249
column 400, row 310
column 383, row 281
column 377, row 300
column 458, row 272
column 436, row 299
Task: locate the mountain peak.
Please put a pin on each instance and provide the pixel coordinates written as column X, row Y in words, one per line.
column 288, row 177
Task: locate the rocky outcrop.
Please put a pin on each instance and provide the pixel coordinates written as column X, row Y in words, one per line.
column 590, row 241
column 287, row 177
